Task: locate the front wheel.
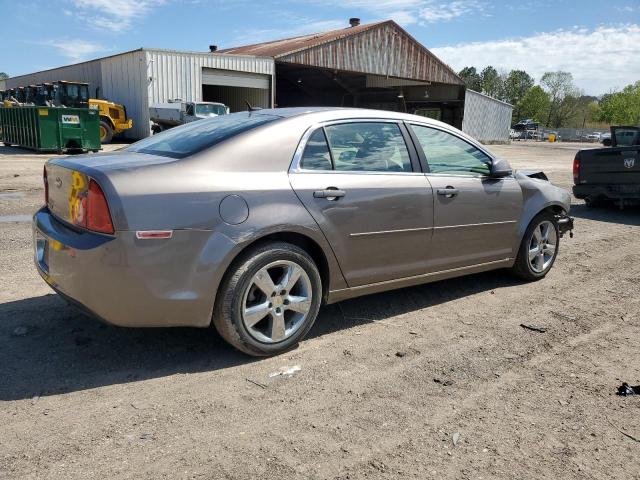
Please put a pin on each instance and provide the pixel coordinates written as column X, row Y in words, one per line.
column 539, row 248
column 106, row 132
column 269, row 299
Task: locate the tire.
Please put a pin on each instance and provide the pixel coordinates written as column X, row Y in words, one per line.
column 106, row 132
column 538, row 267
column 6, row 144
column 252, row 318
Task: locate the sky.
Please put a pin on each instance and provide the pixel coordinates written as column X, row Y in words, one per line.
column 597, row 41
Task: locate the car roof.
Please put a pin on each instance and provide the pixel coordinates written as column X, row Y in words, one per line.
column 319, row 114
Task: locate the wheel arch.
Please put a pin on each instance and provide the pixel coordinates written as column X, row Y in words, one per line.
column 555, row 208
column 305, row 242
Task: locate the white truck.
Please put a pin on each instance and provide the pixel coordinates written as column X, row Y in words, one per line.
column 178, row 112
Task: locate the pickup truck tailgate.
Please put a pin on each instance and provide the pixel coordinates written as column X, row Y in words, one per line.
column 611, row 166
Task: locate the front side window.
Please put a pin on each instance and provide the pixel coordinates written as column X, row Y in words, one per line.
column 368, row 146
column 447, row 153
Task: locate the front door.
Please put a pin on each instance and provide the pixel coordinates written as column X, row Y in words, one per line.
column 475, row 216
column 358, row 182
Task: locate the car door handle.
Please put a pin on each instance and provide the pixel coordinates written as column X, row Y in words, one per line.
column 448, row 192
column 330, row 193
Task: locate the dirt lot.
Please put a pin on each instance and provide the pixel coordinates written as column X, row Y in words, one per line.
column 437, row 381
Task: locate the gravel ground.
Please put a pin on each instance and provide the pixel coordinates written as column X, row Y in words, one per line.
column 436, row 381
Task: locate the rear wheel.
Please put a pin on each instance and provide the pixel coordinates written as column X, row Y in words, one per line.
column 269, row 299
column 539, row 248
column 106, row 132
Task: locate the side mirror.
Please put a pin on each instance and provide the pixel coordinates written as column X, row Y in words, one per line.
column 500, row 168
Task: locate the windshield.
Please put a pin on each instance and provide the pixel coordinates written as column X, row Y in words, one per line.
column 205, row 110
column 189, row 139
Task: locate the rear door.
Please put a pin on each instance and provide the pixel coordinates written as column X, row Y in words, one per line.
column 475, row 216
column 361, row 182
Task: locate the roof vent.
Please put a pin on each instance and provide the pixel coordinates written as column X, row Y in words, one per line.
column 354, row 21
column 213, row 48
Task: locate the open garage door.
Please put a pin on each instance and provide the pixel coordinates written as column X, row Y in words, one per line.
column 234, row 88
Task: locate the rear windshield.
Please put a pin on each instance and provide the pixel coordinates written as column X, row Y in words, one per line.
column 189, row 139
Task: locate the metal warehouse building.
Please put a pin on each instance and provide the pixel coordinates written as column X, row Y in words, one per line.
column 141, row 77
column 377, row 65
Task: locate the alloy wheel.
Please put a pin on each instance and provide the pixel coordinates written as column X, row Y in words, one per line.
column 277, row 301
column 542, row 246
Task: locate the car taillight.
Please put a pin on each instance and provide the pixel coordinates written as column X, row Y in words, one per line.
column 97, row 213
column 46, row 185
column 576, row 169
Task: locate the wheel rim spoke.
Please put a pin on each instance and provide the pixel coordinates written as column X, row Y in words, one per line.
column 299, row 304
column 533, row 253
column 263, row 281
column 277, row 328
column 291, row 277
column 252, row 315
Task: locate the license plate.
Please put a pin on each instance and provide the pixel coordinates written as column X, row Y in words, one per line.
column 42, row 252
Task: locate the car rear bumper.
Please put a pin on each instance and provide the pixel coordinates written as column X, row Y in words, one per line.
column 620, row 191
column 126, row 281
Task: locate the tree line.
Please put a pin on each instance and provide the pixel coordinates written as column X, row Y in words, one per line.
column 556, row 101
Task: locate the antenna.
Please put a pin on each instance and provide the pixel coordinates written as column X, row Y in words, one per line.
column 252, row 109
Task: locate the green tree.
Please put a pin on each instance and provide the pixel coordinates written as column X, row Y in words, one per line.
column 516, row 86
column 564, row 97
column 3, row 76
column 535, row 104
column 621, row 108
column 491, row 82
column 471, row 78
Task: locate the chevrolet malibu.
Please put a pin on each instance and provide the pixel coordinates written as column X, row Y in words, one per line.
column 250, row 221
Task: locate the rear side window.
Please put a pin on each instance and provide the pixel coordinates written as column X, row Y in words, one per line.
column 189, row 139
column 316, row 154
column 368, row 146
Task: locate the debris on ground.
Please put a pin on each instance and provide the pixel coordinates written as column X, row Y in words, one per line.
column 625, row 390
column 261, row 385
column 401, row 354
column 534, row 328
column 286, row 371
column 446, row 383
column 455, row 438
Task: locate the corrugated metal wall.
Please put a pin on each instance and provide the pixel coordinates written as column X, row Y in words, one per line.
column 486, row 119
column 124, row 81
column 174, row 74
column 90, row 72
column 383, row 51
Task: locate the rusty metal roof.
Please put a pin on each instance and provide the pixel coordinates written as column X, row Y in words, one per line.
column 277, row 48
column 382, row 48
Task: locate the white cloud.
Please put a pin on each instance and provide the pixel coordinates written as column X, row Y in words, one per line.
column 408, row 12
column 75, row 50
column 601, row 59
column 114, row 15
column 433, row 12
